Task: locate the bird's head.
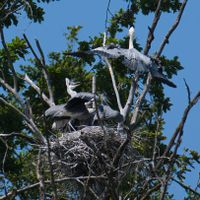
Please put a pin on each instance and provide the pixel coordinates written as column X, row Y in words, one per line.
column 131, row 32
column 71, row 83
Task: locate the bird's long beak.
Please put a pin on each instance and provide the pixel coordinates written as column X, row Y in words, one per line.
column 75, row 84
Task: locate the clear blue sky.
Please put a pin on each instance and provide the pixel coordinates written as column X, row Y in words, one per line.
column 185, row 43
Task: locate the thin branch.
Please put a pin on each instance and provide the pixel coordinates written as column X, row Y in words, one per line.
column 40, row 176
column 188, row 91
column 9, row 59
column 114, row 84
column 186, row 187
column 33, row 126
column 172, row 29
column 150, row 37
column 129, row 101
column 13, row 91
column 29, row 139
column 43, row 67
column 180, row 127
column 45, row 72
column 139, row 101
column 37, row 89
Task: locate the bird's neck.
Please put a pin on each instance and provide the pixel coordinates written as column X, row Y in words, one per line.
column 71, row 92
column 131, row 41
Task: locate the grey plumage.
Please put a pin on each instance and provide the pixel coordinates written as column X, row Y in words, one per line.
column 75, row 108
column 131, row 58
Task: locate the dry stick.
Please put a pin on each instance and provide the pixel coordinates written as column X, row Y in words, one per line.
column 36, row 88
column 150, row 37
column 45, row 72
column 172, row 29
column 188, row 91
column 139, row 101
column 11, row 90
column 46, row 76
column 29, row 139
column 129, row 101
column 114, row 84
column 40, row 176
column 181, row 125
column 9, row 59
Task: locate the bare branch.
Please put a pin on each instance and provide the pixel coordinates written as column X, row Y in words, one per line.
column 114, row 84
column 43, row 67
column 40, row 176
column 29, row 139
column 188, row 91
column 129, row 101
column 9, row 59
column 172, row 29
column 33, row 126
column 139, row 101
column 45, row 72
column 179, row 129
column 150, row 37
column 186, row 187
column 37, row 89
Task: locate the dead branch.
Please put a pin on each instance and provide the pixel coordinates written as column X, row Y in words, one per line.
column 42, row 65
column 129, row 101
column 37, row 89
column 180, row 127
column 27, row 138
column 139, row 101
column 188, row 91
column 114, row 84
column 172, row 29
column 150, row 37
column 40, row 176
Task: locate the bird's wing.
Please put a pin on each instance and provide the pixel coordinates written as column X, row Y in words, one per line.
column 57, row 111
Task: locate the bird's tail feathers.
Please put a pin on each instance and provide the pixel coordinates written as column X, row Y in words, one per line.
column 162, row 78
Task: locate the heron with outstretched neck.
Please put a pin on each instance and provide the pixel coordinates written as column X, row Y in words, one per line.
column 131, row 58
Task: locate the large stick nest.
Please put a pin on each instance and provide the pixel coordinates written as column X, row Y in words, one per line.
column 87, row 151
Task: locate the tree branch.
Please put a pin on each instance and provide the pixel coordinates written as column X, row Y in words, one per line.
column 172, row 29
column 37, row 89
column 139, row 101
column 30, row 122
column 114, row 84
column 9, row 59
column 150, row 37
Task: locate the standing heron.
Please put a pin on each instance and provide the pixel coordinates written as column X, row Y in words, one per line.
column 131, row 58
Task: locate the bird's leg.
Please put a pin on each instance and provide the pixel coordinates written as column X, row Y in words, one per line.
column 70, row 125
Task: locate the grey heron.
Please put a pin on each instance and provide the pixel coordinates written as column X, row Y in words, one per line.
column 131, row 58
column 75, row 108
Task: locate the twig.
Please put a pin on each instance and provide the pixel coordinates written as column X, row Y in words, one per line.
column 114, row 84
column 188, row 91
column 172, row 29
column 186, row 187
column 180, row 127
column 45, row 72
column 37, row 89
column 150, row 37
column 29, row 139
